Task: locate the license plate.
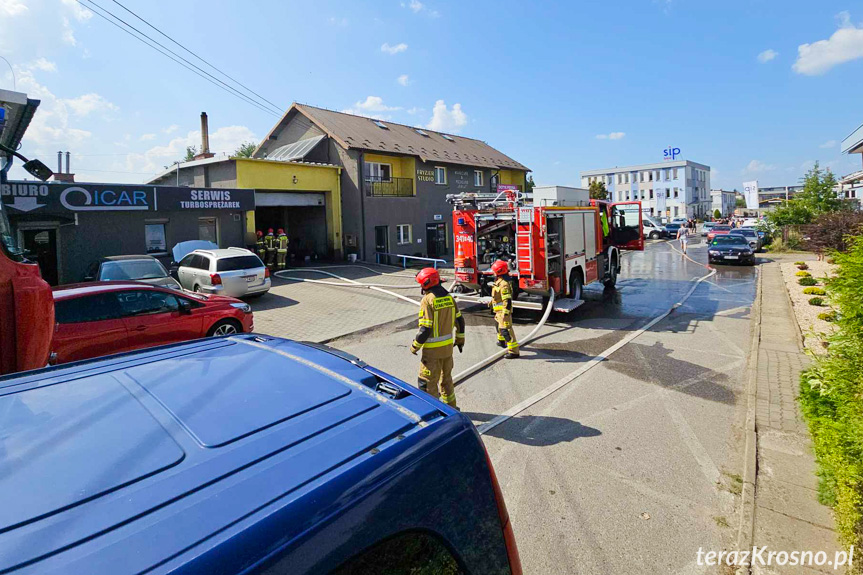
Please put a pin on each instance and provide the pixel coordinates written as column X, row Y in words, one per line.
column 250, row 278
column 731, row 257
column 464, row 270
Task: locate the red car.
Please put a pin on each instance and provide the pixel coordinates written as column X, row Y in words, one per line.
column 717, row 231
column 96, row 319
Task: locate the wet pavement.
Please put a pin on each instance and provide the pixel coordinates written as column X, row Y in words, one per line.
column 633, row 465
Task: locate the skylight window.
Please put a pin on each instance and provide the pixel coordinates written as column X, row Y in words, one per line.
column 422, row 132
column 450, row 138
column 380, row 124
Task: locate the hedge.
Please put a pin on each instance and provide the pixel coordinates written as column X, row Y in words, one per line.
column 803, row 274
column 807, row 281
column 831, row 398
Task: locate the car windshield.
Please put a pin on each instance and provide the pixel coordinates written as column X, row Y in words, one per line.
column 132, row 270
column 721, row 228
column 239, row 263
column 744, row 233
column 731, row 240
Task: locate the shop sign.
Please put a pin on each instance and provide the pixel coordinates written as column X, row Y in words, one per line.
column 425, row 175
column 461, row 179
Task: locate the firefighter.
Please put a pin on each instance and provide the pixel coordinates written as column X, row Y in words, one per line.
column 281, row 249
column 270, row 246
column 260, row 249
column 501, row 303
column 438, row 317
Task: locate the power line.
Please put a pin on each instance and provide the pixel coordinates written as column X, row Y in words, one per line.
column 196, row 56
column 165, row 52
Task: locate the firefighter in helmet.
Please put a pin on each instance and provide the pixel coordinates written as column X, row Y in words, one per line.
column 270, row 246
column 260, row 249
column 501, row 304
column 281, row 249
column 438, row 317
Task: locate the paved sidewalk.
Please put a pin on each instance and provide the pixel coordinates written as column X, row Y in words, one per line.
column 787, row 516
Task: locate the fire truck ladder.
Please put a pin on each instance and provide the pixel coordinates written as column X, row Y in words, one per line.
column 523, row 243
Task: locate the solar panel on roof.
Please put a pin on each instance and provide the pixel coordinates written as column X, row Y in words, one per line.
column 380, row 124
column 294, row 151
column 421, row 132
column 450, row 138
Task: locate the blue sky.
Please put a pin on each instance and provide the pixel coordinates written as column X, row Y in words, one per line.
column 755, row 89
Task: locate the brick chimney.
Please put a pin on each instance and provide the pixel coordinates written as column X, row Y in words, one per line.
column 61, row 176
column 205, row 139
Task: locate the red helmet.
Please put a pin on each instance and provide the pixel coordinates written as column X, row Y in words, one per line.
column 269, row 230
column 259, row 233
column 500, row 267
column 281, row 231
column 428, row 278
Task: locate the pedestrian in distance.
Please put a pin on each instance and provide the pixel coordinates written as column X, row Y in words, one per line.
column 260, row 249
column 683, row 237
column 501, row 304
column 270, row 246
column 439, row 316
column 281, row 249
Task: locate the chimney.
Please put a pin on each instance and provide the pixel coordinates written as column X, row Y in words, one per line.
column 60, row 175
column 205, row 139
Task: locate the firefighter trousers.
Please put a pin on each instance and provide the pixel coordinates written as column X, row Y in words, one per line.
column 271, row 257
column 281, row 256
column 505, row 333
column 435, row 377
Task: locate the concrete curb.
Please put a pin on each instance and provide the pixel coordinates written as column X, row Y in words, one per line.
column 746, row 529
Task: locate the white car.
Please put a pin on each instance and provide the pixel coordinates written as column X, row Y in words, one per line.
column 235, row 272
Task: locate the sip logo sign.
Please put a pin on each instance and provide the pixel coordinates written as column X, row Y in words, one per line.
column 670, row 153
column 79, row 199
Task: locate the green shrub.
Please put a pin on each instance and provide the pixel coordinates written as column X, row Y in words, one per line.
column 800, row 264
column 827, row 315
column 807, row 281
column 831, row 398
column 814, row 291
column 803, row 267
column 803, row 274
column 816, row 301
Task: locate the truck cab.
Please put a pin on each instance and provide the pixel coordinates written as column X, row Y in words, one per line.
column 243, row 454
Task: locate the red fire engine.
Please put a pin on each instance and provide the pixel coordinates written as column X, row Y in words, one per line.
column 562, row 240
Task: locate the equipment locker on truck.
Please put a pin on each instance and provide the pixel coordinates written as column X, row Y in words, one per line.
column 560, row 240
column 246, row 454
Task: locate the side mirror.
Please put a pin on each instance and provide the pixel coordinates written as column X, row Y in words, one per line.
column 185, row 306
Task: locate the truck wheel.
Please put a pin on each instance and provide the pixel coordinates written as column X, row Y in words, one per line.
column 654, row 235
column 576, row 285
column 611, row 280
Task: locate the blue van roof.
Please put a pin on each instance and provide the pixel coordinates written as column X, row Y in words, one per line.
column 198, row 435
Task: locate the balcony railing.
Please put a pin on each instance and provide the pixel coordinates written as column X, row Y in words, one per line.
column 393, row 188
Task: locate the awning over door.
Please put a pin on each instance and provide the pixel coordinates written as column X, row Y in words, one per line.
column 264, row 199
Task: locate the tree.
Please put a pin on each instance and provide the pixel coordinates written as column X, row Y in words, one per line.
column 790, row 213
column 245, row 150
column 819, row 191
column 717, row 214
column 191, row 152
column 598, row 191
column 739, row 203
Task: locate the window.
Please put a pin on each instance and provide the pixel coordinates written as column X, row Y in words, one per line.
column 131, row 270
column 675, row 210
column 377, row 172
column 650, row 191
column 98, row 307
column 477, row 178
column 380, row 124
column 409, row 552
column 208, row 229
column 403, row 234
column 145, row 302
column 237, row 263
column 154, row 236
column 642, row 194
column 649, row 176
column 200, row 262
column 674, row 173
column 676, row 193
column 440, row 175
column 446, row 137
column 627, row 195
column 626, row 178
column 641, row 176
column 422, row 132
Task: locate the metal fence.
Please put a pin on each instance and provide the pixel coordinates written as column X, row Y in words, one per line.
column 384, row 258
column 394, row 187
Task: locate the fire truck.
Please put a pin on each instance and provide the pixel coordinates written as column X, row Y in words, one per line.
column 559, row 239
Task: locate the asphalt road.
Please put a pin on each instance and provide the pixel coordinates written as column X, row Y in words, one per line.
column 633, row 465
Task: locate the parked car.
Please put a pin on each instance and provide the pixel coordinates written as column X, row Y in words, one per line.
column 717, row 230
column 248, row 454
column 730, row 248
column 235, row 272
column 97, row 319
column 124, row 268
column 652, row 229
column 750, row 235
column 671, row 229
column 706, row 227
column 761, row 230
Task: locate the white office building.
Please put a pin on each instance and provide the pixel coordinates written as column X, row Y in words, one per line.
column 723, row 200
column 672, row 189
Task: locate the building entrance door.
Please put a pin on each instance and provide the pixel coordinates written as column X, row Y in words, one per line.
column 42, row 246
column 382, row 239
column 436, row 239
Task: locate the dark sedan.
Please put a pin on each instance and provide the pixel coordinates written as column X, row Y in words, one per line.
column 142, row 268
column 730, row 249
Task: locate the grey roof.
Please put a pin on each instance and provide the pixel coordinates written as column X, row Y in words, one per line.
column 640, row 167
column 295, row 151
column 362, row 133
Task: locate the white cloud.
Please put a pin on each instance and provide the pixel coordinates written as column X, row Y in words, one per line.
column 416, row 6
column 444, row 120
column 170, row 129
column 50, row 129
column 12, row 7
column 43, row 64
column 224, row 140
column 340, row 22
column 828, row 144
column 372, row 105
column 148, row 137
column 844, row 45
column 79, row 12
column 611, row 136
column 385, row 47
column 415, row 110
column 89, row 103
column 767, row 55
column 404, row 80
column 757, row 166
column 68, row 36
